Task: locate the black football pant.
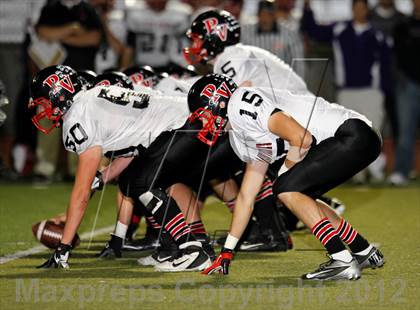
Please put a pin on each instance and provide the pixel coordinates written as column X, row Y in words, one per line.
column 163, row 164
column 333, row 161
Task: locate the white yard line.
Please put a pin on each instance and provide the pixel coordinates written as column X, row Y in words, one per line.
column 40, row 248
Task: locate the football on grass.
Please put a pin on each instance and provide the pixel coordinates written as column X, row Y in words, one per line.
column 50, row 233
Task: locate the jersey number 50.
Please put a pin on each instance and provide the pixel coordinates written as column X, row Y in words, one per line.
column 78, row 136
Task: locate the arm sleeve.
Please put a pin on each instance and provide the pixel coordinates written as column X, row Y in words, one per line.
column 322, row 33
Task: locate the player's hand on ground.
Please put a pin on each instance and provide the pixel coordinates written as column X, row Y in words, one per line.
column 221, row 264
column 112, row 248
column 59, row 259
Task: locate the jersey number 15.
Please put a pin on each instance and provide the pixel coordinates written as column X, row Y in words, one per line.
column 253, row 99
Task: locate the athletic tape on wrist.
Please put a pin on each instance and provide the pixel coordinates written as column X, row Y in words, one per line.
column 120, row 230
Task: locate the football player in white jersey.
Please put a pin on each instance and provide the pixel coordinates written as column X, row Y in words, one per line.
column 323, row 145
column 154, row 33
column 215, row 37
column 110, row 119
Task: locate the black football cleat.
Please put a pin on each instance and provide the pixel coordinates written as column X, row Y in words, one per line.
column 207, row 246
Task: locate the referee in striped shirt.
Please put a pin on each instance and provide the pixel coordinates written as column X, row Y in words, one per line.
column 269, row 34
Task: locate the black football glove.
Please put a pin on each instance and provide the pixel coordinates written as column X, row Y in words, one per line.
column 112, row 248
column 60, row 257
column 221, row 264
column 97, row 183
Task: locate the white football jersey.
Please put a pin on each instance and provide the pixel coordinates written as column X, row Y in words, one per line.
column 250, row 63
column 250, row 108
column 120, row 120
column 172, row 86
column 156, row 36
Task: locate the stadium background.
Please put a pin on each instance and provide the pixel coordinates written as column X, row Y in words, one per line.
column 30, row 192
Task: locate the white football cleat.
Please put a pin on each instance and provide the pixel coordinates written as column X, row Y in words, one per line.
column 190, row 258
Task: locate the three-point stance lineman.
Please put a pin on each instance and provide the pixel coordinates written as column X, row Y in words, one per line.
column 268, row 124
column 99, row 121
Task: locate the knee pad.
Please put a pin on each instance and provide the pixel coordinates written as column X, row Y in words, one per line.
column 153, row 200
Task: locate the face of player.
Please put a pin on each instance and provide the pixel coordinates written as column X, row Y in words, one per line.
column 416, row 8
column 266, row 20
column 360, row 12
column 233, row 7
column 387, row 4
column 103, row 5
column 70, row 3
column 285, row 5
column 157, row 5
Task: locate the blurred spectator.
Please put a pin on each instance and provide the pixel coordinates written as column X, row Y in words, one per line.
column 407, row 49
column 156, row 29
column 5, row 172
column 113, row 48
column 14, row 19
column 358, row 50
column 234, row 7
column 76, row 26
column 384, row 17
column 287, row 15
column 200, row 6
column 270, row 35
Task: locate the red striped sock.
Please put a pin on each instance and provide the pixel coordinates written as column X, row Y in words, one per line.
column 178, row 228
column 151, row 222
column 197, row 227
column 328, row 236
column 351, row 237
column 265, row 191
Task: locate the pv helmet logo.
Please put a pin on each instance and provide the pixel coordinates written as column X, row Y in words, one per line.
column 211, row 92
column 212, row 25
column 55, row 83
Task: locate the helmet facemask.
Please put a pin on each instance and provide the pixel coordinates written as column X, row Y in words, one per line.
column 196, row 53
column 47, row 117
column 212, row 125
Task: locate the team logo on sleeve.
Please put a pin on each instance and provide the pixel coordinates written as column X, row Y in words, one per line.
column 212, row 25
column 56, row 83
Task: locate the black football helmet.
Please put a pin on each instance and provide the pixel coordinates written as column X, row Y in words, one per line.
column 88, row 77
column 181, row 72
column 208, row 99
column 142, row 75
column 210, row 33
column 113, row 78
column 52, row 91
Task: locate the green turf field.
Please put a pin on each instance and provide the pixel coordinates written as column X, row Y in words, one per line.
column 387, row 216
